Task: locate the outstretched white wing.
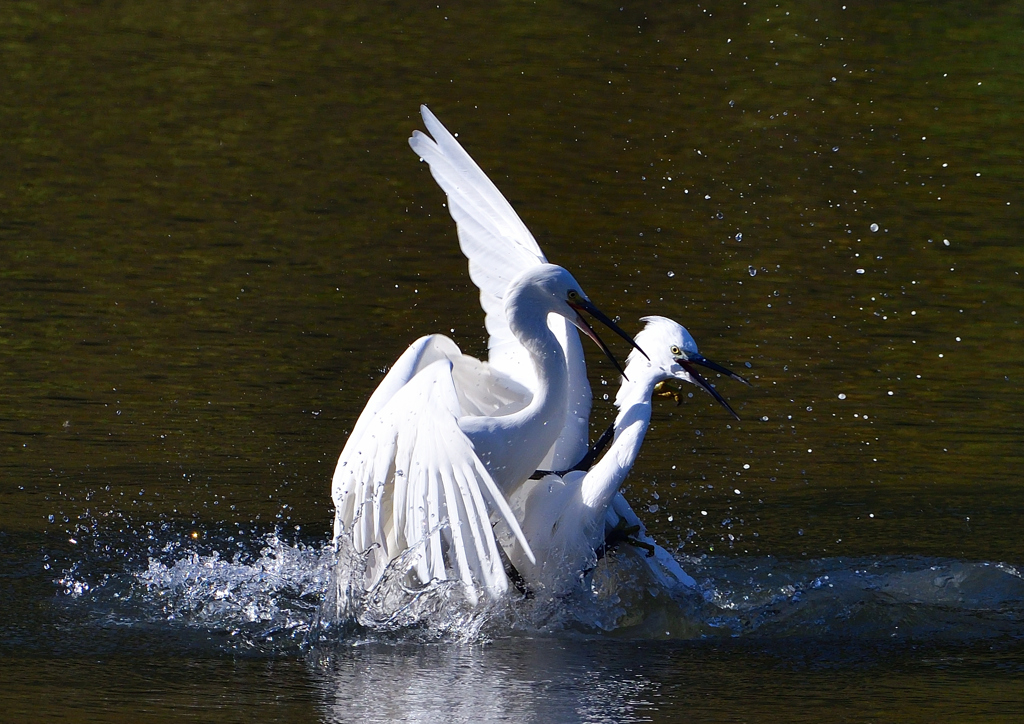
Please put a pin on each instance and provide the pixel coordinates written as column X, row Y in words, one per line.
column 419, row 354
column 500, row 247
column 411, row 481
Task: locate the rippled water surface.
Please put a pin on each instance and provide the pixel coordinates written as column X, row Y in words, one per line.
column 214, row 239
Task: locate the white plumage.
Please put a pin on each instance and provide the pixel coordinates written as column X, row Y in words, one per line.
column 445, row 436
column 567, row 518
column 499, row 246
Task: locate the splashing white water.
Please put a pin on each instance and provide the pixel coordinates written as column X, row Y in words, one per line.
column 292, row 595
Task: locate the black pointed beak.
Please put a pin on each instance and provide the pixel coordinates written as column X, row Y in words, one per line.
column 704, row 362
column 696, row 359
column 583, row 305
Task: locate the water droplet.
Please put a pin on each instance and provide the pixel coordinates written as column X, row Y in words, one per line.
column 752, row 270
column 671, row 274
column 739, row 236
column 946, row 242
column 835, row 148
column 842, row 395
column 652, row 508
column 860, row 271
column 873, row 227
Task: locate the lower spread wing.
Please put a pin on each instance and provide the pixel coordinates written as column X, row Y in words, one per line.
column 484, row 390
column 412, row 482
column 419, row 354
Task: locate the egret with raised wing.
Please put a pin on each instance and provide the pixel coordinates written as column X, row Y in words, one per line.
column 445, row 437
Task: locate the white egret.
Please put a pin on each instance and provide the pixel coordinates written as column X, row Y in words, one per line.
column 445, row 436
column 567, row 518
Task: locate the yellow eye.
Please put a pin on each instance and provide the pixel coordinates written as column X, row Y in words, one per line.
column 675, row 350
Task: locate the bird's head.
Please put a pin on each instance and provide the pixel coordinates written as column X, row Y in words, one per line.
column 673, row 357
column 556, row 291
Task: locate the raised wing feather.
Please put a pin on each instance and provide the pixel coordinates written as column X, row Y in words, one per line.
column 475, row 185
column 491, row 235
column 500, row 247
column 412, row 482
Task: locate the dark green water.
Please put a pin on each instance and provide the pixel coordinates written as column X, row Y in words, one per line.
column 214, row 237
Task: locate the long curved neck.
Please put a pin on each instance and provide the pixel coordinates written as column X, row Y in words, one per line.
column 512, row 446
column 530, row 326
column 603, row 480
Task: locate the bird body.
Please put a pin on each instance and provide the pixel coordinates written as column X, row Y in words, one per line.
column 446, row 437
column 447, row 442
column 567, row 518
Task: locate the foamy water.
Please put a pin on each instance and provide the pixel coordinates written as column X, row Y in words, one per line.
column 282, row 596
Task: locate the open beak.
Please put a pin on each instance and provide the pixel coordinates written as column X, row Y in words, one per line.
column 696, row 359
column 582, row 305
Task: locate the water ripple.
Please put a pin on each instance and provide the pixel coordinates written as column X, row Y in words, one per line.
column 293, row 595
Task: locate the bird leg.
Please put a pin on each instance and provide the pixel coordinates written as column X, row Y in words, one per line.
column 640, row 544
column 620, row 533
column 623, row 533
column 587, row 460
column 514, row 575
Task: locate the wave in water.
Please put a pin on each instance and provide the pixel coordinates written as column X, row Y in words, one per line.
column 275, row 596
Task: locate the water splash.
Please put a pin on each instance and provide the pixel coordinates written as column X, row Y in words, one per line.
column 250, row 600
column 274, row 594
column 290, row 596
